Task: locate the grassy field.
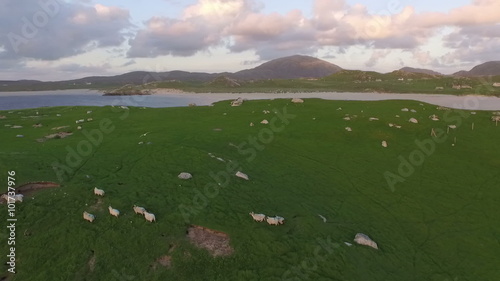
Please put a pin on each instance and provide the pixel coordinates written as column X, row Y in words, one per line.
column 436, row 218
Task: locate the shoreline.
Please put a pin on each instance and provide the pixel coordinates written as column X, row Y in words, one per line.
column 175, row 98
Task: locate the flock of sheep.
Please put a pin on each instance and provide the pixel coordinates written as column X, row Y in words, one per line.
column 277, row 220
column 114, row 212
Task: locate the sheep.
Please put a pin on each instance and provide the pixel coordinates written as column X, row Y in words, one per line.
column 281, row 220
column 90, row 119
column 113, row 212
column 15, row 198
column 257, row 217
column 18, row 198
column 348, row 129
column 139, row 210
column 273, row 221
column 79, row 127
column 149, row 216
column 265, row 122
column 98, row 191
column 89, row 217
column 384, row 143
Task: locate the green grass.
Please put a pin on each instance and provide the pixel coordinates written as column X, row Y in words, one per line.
column 440, row 224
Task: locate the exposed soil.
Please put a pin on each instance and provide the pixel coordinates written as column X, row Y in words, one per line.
column 216, row 242
column 97, row 205
column 165, row 261
column 92, row 263
column 31, row 187
column 60, row 135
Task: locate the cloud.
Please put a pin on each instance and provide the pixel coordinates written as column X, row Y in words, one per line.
column 376, row 56
column 53, row 29
column 472, row 44
column 241, row 25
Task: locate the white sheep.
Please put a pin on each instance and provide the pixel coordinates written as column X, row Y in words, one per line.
column 18, row 198
column 98, row 191
column 113, row 212
column 149, row 216
column 89, row 217
column 257, row 217
column 281, row 220
column 89, row 119
column 384, row 143
column 139, row 210
column 271, row 220
column 79, row 127
column 15, row 198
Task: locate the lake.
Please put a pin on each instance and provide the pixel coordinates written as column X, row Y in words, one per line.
column 33, row 99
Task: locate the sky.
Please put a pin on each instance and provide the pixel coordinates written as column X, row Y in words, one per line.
column 53, row 40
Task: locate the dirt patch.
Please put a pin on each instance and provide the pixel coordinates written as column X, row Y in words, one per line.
column 97, row 205
column 31, row 187
column 60, row 135
column 165, row 261
column 216, row 242
column 91, row 263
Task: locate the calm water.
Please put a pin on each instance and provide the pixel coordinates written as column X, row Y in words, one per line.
column 21, row 100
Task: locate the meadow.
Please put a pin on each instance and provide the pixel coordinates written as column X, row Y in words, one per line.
column 431, row 203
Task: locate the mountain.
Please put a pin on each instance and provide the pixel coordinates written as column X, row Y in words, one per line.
column 289, row 68
column 420, row 70
column 484, row 69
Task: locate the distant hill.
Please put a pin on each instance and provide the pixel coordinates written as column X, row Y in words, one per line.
column 484, row 69
column 282, row 68
column 420, row 70
column 289, row 68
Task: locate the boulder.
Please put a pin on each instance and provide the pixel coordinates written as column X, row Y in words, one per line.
column 363, row 239
column 184, row 176
column 241, row 175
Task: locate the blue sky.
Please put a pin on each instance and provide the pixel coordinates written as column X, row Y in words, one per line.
column 72, row 39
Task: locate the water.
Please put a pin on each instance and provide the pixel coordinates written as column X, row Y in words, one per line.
column 21, row 100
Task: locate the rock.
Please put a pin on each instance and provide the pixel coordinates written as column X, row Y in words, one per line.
column 404, row 109
column 237, row 102
column 297, row 100
column 20, row 136
column 184, row 176
column 363, row 239
column 241, row 175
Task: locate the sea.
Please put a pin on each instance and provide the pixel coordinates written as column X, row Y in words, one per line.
column 36, row 99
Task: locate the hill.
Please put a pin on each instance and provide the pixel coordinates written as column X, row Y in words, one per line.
column 290, row 68
column 420, row 70
column 484, row 69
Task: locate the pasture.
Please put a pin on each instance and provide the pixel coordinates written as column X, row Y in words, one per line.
column 433, row 218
